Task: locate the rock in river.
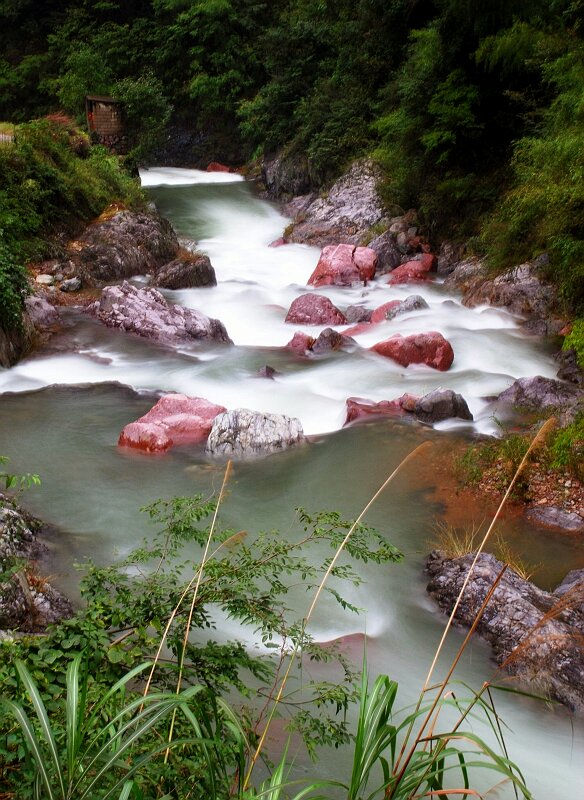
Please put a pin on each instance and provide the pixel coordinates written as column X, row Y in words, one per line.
column 242, row 432
column 429, row 348
column 146, row 313
column 314, row 309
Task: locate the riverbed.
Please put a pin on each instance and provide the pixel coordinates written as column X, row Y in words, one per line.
column 61, row 413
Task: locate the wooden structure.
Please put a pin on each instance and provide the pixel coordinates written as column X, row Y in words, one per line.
column 105, row 123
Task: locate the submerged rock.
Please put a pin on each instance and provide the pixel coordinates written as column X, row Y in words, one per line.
column 396, row 308
column 553, row 517
column 175, row 419
column 242, row 432
column 429, row 348
column 535, row 635
column 146, row 313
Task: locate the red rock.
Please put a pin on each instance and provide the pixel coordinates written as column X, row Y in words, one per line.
column 300, row 343
column 360, row 409
column 413, row 270
column 314, row 309
column 343, row 265
column 278, row 242
column 175, row 419
column 215, row 166
column 429, row 348
column 148, row 436
column 355, row 330
column 379, row 313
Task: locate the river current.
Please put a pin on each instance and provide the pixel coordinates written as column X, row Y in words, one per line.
column 61, row 412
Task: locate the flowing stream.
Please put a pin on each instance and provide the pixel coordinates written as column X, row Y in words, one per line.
column 61, row 412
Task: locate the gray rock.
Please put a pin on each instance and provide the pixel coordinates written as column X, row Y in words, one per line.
column 355, row 314
column 329, row 340
column 187, row 272
column 346, row 213
column 539, row 393
column 146, row 313
column 242, row 432
column 467, row 275
column 45, row 280
column 535, row 635
column 71, row 285
column 414, row 302
column 126, row 243
column 267, row 372
column 43, row 315
column 441, row 404
column 554, row 517
column 389, row 255
column 25, row 605
column 287, row 175
column 448, row 258
column 16, row 342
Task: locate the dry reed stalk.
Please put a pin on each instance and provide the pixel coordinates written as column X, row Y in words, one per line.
column 194, row 580
column 537, row 441
column 318, row 592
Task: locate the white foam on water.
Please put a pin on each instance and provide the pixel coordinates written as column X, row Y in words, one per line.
column 178, row 176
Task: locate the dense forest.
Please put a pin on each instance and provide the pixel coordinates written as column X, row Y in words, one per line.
column 474, row 109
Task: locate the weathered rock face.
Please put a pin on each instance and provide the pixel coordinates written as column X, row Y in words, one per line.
column 186, row 273
column 351, row 207
column 287, row 176
column 15, row 343
column 344, row 265
column 412, row 271
column 314, row 309
column 121, row 245
column 242, row 432
column 536, row 635
column 441, row 404
column 429, row 348
column 42, row 314
column 537, row 392
column 146, row 313
column 520, row 290
column 175, row 419
column 25, row 605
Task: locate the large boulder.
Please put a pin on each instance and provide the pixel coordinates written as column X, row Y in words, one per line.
column 429, row 348
column 314, row 309
column 286, row 176
column 188, row 271
column 146, row 313
column 539, row 393
column 389, row 256
column 344, row 265
column 120, row 244
column 175, row 419
column 441, row 404
column 536, row 635
column 242, row 432
column 351, row 207
column 413, row 271
column 27, row 604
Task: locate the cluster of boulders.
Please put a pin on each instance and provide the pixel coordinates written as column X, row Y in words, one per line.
column 536, row 635
column 27, row 602
column 177, row 419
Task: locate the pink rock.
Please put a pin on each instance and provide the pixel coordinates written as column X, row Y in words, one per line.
column 429, row 348
column 300, row 343
column 215, row 166
column 355, row 330
column 148, row 436
column 314, row 309
column 343, row 265
column 175, row 419
column 278, row 242
column 413, row 270
column 358, row 408
column 380, row 313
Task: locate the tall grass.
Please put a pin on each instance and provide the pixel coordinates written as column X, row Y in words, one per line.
column 396, row 754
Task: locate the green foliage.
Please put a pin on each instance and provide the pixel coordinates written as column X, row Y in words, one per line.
column 146, row 112
column 14, row 481
column 567, row 448
column 86, row 72
column 575, row 340
column 13, row 287
column 148, row 600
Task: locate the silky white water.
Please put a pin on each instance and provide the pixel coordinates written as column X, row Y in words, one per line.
column 93, row 490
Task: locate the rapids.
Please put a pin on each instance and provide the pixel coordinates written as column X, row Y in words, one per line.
column 92, row 491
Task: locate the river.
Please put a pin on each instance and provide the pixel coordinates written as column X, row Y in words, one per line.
column 61, row 412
